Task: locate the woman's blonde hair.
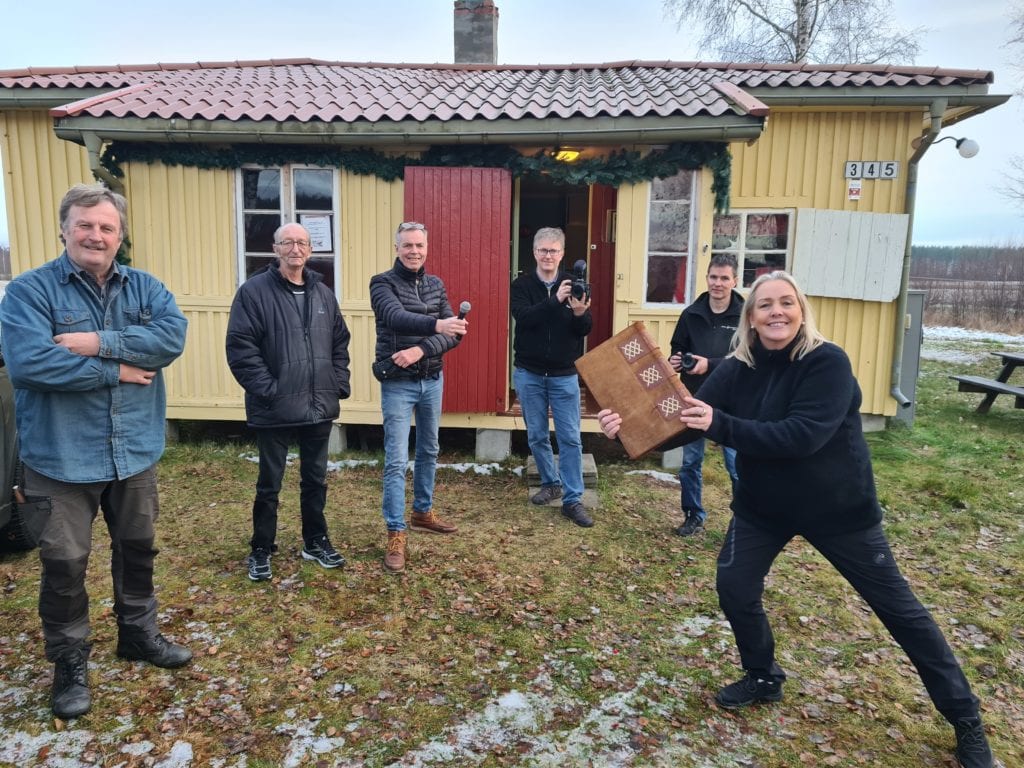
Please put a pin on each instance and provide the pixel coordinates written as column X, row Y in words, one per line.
column 808, row 337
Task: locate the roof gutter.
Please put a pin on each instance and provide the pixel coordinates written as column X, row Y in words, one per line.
column 936, row 111
column 540, row 132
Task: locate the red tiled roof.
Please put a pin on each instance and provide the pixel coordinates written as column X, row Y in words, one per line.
column 309, row 90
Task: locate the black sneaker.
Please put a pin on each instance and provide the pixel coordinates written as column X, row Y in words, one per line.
column 545, row 494
column 690, row 525
column 577, row 513
column 259, row 565
column 70, row 695
column 972, row 750
column 320, row 549
column 749, row 690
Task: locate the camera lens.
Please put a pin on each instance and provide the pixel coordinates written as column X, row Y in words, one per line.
column 688, row 362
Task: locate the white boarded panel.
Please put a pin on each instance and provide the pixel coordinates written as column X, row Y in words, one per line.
column 849, row 255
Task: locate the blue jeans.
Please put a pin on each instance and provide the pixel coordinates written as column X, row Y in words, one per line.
column 864, row 559
column 273, row 444
column 562, row 393
column 691, row 478
column 399, row 401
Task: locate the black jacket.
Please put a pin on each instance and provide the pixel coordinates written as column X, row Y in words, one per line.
column 293, row 369
column 548, row 336
column 802, row 460
column 701, row 331
column 407, row 306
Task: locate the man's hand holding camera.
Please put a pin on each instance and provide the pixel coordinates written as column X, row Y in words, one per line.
column 690, row 363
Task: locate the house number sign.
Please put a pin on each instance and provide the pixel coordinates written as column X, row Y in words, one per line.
column 872, row 169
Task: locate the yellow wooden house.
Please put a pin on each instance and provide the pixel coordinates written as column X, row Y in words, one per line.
column 650, row 167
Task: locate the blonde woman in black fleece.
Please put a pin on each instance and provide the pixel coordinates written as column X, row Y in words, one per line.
column 787, row 401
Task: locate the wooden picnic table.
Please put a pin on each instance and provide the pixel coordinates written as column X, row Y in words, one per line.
column 1000, row 385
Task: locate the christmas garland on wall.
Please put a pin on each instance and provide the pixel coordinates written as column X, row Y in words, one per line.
column 619, row 167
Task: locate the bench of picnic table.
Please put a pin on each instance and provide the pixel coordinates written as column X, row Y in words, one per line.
column 990, row 388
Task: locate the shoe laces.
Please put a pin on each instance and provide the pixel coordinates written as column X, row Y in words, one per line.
column 970, row 736
column 72, row 668
column 396, row 543
column 324, row 544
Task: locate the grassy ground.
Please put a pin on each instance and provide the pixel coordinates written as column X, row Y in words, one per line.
column 527, row 641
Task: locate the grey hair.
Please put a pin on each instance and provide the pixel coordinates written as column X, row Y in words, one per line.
column 89, row 196
column 406, row 226
column 549, row 233
column 277, row 232
column 808, row 337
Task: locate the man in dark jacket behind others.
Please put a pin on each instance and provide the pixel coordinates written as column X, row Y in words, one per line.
column 551, row 324
column 287, row 345
column 702, row 339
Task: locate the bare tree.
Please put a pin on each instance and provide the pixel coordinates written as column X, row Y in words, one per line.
column 1014, row 187
column 798, row 31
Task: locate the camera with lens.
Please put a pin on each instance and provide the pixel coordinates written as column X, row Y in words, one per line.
column 687, row 362
column 580, row 287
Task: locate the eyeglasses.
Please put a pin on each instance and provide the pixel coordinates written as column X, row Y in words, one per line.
column 287, row 244
column 547, row 251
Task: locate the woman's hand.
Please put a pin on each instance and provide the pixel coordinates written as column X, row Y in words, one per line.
column 697, row 415
column 610, row 423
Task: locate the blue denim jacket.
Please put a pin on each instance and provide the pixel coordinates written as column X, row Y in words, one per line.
column 77, row 422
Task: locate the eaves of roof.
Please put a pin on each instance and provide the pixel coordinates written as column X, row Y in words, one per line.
column 540, row 132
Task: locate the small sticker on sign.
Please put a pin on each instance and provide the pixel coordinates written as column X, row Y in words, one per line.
column 853, row 190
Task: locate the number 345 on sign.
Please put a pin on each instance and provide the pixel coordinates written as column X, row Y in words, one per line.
column 871, row 169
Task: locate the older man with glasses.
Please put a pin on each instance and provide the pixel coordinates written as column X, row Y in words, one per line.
column 287, row 345
column 551, row 324
column 415, row 328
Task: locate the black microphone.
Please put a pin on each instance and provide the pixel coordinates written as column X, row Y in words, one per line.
column 580, row 268
column 464, row 308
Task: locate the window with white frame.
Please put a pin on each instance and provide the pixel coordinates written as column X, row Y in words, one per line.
column 760, row 240
column 271, row 197
column 669, row 239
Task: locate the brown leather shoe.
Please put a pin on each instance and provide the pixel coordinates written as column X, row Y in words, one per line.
column 394, row 557
column 428, row 521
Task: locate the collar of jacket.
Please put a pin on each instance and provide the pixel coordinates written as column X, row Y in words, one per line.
column 405, row 273
column 763, row 356
column 309, row 276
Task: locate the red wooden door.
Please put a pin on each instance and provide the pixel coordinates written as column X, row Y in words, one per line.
column 468, row 214
column 602, row 262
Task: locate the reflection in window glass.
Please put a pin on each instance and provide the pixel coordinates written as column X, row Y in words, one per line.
column 670, row 216
column 760, row 241
column 259, row 232
column 261, row 189
column 314, row 189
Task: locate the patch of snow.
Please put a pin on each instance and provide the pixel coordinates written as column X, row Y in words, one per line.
column 663, row 477
column 180, row 756
column 305, row 742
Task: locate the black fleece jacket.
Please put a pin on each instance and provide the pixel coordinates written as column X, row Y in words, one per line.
column 700, row 331
column 548, row 337
column 803, row 463
column 407, row 306
column 294, row 368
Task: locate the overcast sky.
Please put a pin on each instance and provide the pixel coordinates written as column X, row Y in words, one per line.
column 957, row 198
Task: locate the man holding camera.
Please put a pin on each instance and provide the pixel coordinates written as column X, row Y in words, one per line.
column 552, row 315
column 701, row 340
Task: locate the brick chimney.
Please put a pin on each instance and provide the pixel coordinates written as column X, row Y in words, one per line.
column 476, row 32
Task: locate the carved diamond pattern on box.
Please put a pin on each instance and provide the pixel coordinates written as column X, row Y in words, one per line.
column 670, row 407
column 649, row 376
column 633, row 348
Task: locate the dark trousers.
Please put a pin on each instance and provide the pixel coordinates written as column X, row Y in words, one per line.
column 130, row 509
column 273, row 446
column 864, row 559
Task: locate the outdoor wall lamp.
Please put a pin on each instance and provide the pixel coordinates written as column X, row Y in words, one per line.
column 566, row 155
column 966, row 147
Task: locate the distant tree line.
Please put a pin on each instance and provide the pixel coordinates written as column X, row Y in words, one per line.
column 971, row 286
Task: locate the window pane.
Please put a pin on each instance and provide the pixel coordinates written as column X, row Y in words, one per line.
column 261, row 189
column 767, row 231
column 314, row 189
column 755, row 265
column 259, row 232
column 254, row 264
column 678, row 187
column 725, row 232
column 326, row 269
column 666, row 277
column 669, row 227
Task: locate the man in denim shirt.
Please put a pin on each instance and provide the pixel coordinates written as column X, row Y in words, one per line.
column 86, row 339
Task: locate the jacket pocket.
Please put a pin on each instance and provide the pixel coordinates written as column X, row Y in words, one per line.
column 137, row 315
column 72, row 321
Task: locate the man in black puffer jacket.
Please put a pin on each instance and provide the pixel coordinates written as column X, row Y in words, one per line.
column 415, row 327
column 287, row 345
